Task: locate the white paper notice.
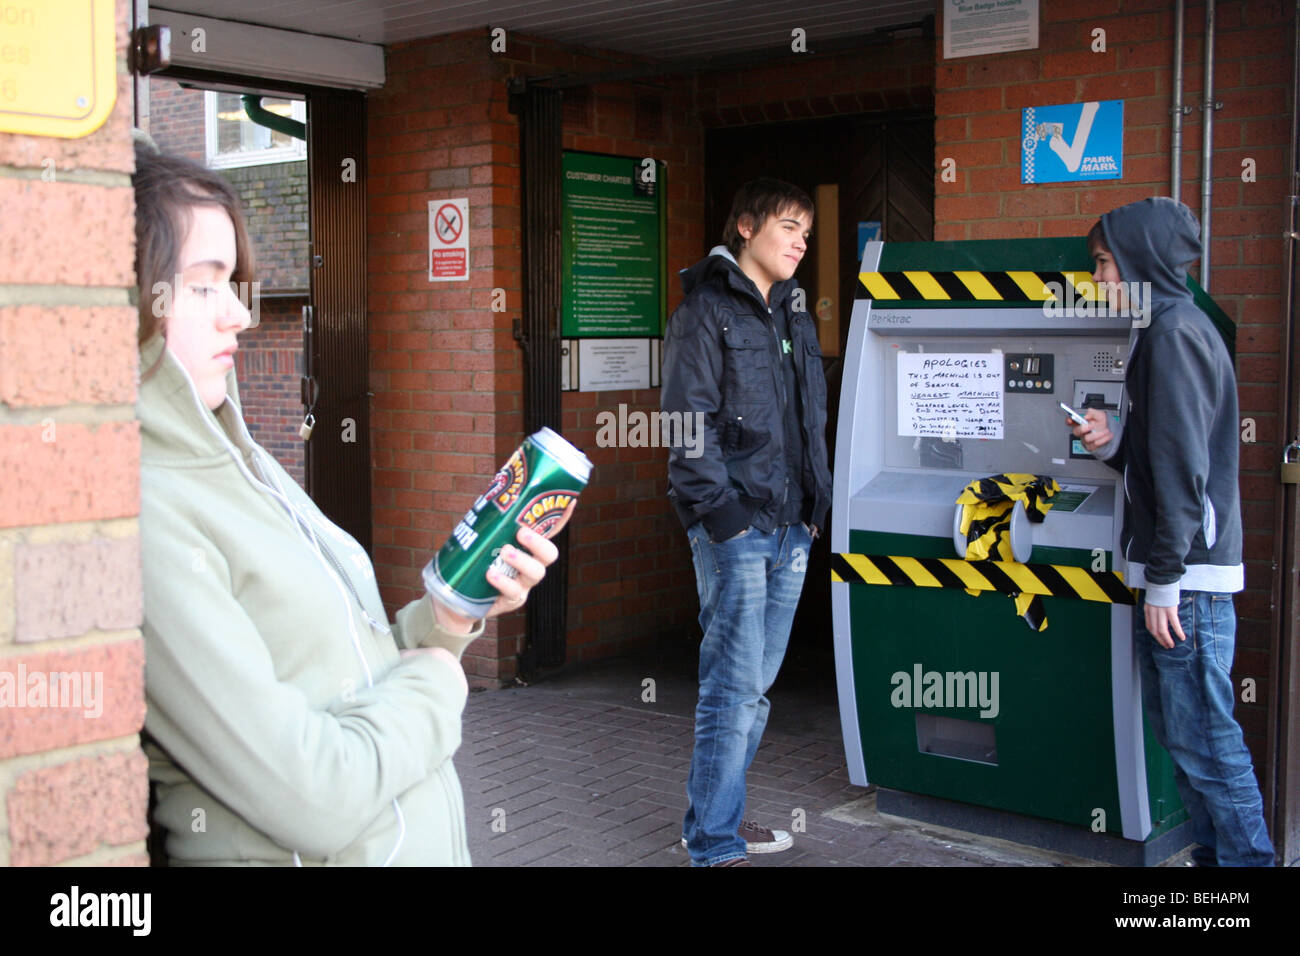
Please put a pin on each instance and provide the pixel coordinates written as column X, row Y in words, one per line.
column 610, row 364
column 950, row 396
column 976, row 27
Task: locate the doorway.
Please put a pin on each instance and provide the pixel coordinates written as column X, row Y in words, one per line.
column 881, row 168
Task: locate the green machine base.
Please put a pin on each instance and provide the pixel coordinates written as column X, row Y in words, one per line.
column 957, row 699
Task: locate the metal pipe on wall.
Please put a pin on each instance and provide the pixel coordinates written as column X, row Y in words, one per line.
column 1176, row 156
column 1282, row 775
column 1207, row 145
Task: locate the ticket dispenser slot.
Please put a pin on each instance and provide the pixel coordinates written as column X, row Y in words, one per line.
column 1093, row 393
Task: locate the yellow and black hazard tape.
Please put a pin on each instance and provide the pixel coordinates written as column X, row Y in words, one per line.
column 978, row 286
column 1007, row 577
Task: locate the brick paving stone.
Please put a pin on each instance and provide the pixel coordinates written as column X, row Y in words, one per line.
column 572, row 778
column 607, row 839
column 617, row 799
column 629, row 776
column 822, row 788
column 802, row 775
column 508, row 774
column 675, row 801
column 517, row 818
column 577, row 856
column 522, row 834
column 526, row 856
column 647, row 835
column 508, row 793
column 674, row 784
column 592, row 783
column 566, row 772
column 611, row 769
column 631, row 811
column 523, row 800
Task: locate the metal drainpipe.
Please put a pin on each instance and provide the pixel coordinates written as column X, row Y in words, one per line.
column 261, row 116
column 1282, row 802
column 1207, row 136
column 1176, row 159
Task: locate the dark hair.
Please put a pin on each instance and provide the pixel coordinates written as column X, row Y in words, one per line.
column 165, row 187
column 758, row 200
column 1097, row 238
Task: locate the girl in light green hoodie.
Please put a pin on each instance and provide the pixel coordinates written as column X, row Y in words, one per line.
column 288, row 721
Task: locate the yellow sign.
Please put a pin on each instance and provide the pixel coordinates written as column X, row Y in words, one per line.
column 58, row 66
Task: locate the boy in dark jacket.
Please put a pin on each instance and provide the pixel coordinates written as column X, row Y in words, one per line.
column 741, row 357
column 1177, row 448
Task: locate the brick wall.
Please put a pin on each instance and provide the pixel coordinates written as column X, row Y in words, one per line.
column 275, row 201
column 73, row 783
column 268, row 366
column 176, row 119
column 446, row 372
column 978, row 102
column 445, row 380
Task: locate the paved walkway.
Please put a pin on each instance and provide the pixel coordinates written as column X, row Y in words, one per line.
column 584, row 772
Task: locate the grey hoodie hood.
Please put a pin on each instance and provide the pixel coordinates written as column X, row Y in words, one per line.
column 1154, row 241
column 721, row 260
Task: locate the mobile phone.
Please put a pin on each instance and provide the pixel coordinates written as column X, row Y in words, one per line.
column 1078, row 419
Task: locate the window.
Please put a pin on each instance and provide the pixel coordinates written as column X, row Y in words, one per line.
column 234, row 140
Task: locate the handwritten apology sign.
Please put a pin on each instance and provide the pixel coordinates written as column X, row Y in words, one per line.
column 950, row 396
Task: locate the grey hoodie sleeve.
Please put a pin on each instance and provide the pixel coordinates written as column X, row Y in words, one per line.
column 692, row 383
column 1182, row 396
column 1111, row 453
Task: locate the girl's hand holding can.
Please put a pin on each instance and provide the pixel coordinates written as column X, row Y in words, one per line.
column 531, row 568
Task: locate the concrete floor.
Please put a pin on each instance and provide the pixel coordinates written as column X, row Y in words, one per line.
column 587, row 767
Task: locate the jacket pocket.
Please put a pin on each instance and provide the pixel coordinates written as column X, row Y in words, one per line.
column 747, row 366
column 815, row 376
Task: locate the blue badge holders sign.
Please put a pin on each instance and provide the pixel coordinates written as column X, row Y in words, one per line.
column 1072, row 142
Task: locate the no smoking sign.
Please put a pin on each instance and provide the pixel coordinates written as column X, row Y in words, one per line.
column 448, row 240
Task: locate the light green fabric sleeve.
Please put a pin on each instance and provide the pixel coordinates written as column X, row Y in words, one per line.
column 311, row 779
column 416, row 626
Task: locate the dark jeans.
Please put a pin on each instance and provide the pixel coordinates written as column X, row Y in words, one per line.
column 749, row 587
column 1188, row 695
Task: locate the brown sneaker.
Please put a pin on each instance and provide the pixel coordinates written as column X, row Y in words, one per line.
column 759, row 839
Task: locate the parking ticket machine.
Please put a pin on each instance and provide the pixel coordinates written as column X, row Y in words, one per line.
column 958, row 356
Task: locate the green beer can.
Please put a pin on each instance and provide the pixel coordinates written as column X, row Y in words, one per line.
column 537, row 487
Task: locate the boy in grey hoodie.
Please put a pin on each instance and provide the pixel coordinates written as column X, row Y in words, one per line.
column 1177, row 448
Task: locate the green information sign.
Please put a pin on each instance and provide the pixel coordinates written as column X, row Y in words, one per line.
column 613, row 246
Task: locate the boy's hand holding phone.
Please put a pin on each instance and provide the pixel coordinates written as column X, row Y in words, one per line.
column 1095, row 432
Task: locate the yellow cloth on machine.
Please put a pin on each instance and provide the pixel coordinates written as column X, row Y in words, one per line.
column 987, row 506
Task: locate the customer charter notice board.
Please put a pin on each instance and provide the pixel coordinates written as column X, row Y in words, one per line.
column 613, row 246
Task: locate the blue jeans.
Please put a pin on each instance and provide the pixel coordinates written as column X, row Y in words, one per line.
column 1188, row 695
column 749, row 587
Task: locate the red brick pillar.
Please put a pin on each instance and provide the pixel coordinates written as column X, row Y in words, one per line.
column 73, row 783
